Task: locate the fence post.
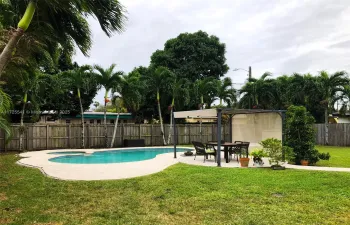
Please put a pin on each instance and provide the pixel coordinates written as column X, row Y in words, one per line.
column 345, row 134
column 47, row 137
column 189, row 133
column 88, row 135
column 139, row 131
column 151, row 134
column 122, row 134
column 69, row 144
column 27, row 138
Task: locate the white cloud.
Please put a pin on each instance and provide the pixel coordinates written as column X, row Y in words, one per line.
column 269, row 35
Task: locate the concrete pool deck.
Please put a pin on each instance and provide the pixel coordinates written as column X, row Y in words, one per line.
column 113, row 171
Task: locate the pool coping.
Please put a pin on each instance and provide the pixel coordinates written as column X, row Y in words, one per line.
column 86, row 172
column 93, row 172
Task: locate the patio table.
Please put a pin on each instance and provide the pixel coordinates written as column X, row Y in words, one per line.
column 226, row 146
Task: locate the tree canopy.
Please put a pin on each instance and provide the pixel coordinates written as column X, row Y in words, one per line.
column 193, row 56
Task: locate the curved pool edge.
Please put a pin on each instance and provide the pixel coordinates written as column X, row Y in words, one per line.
column 86, row 172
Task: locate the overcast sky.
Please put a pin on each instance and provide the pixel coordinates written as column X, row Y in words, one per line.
column 278, row 36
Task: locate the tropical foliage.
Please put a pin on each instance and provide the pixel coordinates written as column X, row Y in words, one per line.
column 108, row 79
column 55, row 23
column 300, row 135
column 82, row 78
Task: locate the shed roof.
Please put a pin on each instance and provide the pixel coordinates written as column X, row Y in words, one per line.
column 212, row 113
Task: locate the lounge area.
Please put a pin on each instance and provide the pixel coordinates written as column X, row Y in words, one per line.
column 247, row 129
column 210, row 160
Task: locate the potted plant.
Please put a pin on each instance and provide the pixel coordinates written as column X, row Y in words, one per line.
column 257, row 157
column 244, row 162
column 189, row 152
column 304, row 162
column 274, row 150
column 300, row 136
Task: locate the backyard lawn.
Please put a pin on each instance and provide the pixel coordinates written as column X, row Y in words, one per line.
column 181, row 194
column 340, row 156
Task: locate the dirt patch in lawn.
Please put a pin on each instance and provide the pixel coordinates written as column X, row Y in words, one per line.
column 3, row 197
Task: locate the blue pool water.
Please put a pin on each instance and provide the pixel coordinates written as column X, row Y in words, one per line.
column 114, row 156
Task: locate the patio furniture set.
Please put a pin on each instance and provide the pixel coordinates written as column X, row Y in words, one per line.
column 238, row 148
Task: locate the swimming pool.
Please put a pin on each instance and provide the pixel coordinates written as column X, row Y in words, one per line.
column 114, row 156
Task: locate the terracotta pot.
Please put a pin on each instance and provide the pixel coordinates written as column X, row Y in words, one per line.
column 244, row 162
column 304, row 162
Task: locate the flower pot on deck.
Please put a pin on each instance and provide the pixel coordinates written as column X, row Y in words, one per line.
column 304, row 162
column 244, row 162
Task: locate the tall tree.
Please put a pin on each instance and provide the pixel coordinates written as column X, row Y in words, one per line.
column 328, row 86
column 257, row 92
column 206, row 91
column 193, row 56
column 225, row 91
column 59, row 22
column 5, row 107
column 159, row 77
column 132, row 89
column 180, row 92
column 81, row 78
column 29, row 84
column 108, row 79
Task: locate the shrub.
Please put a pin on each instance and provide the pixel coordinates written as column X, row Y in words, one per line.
column 273, row 149
column 300, row 135
column 324, row 156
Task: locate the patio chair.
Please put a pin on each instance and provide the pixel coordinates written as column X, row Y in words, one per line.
column 237, row 150
column 241, row 148
column 202, row 150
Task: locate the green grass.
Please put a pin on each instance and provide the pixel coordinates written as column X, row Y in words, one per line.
column 340, row 156
column 182, row 194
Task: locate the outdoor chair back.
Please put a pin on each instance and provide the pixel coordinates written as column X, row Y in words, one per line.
column 201, row 150
column 200, row 147
column 237, row 150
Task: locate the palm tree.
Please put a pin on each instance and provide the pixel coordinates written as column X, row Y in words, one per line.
column 131, row 91
column 328, row 86
column 29, row 82
column 59, row 22
column 158, row 78
column 179, row 89
column 108, row 79
column 5, row 106
column 258, row 92
column 81, row 78
column 130, row 88
column 116, row 102
column 225, row 91
column 206, row 91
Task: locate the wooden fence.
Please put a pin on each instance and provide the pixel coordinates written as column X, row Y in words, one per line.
column 39, row 137
column 338, row 134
